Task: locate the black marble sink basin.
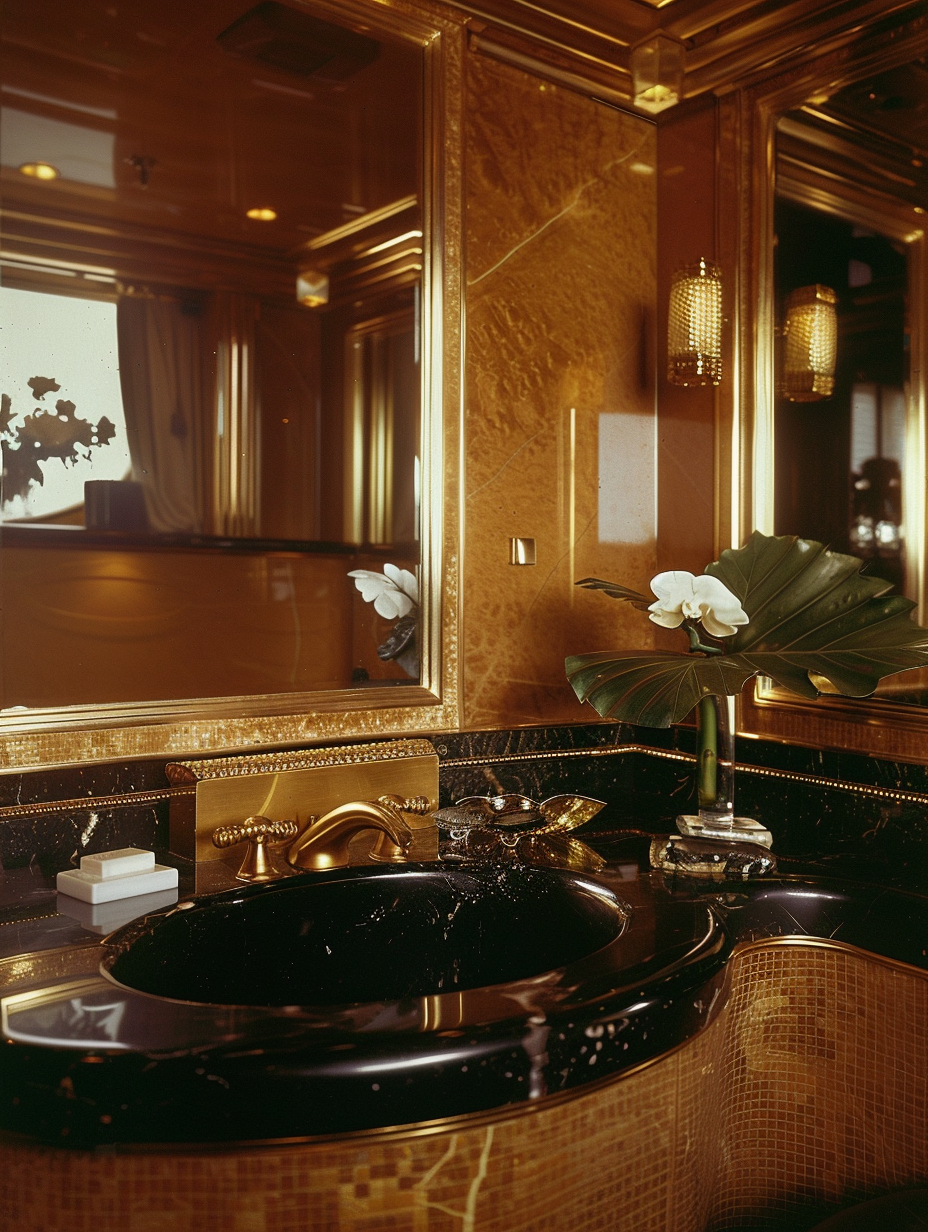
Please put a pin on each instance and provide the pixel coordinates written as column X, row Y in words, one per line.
column 368, row 934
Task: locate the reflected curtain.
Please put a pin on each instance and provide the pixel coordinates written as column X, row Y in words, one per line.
column 160, row 374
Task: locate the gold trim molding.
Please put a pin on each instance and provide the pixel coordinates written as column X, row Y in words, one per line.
column 275, row 763
column 729, row 43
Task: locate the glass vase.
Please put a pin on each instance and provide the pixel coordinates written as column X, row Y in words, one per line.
column 715, row 778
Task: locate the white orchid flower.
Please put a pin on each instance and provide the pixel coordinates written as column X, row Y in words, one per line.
column 394, row 593
column 681, row 596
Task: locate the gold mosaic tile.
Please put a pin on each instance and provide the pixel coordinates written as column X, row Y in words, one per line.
column 810, row 1087
column 825, row 1083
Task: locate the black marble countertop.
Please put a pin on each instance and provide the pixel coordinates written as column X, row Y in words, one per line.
column 91, row 1062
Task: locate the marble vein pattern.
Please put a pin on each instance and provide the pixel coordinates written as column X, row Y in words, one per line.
column 560, row 433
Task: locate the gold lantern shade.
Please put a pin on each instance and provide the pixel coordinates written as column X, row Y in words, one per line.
column 312, row 288
column 656, row 66
column 694, row 326
column 810, row 344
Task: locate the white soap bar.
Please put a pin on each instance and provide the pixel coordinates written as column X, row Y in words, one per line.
column 91, row 889
column 119, row 863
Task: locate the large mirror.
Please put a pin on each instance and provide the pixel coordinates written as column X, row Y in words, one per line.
column 838, row 444
column 222, row 310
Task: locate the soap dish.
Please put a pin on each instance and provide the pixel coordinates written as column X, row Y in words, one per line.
column 110, row 875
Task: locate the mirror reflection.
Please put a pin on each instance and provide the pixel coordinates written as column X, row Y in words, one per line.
column 842, row 291
column 849, row 221
column 211, row 381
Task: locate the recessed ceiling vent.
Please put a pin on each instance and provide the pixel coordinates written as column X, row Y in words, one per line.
column 298, row 43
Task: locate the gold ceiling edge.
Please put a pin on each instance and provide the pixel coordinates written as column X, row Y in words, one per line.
column 798, row 35
column 593, row 59
column 808, row 133
column 849, row 197
column 598, row 82
column 545, row 19
column 356, row 227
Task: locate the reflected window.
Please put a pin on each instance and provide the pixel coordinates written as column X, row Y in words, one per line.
column 62, row 419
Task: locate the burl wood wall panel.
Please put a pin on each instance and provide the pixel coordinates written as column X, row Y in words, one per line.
column 809, row 1090
column 559, row 428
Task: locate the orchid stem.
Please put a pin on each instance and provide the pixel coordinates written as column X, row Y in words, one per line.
column 707, row 752
column 692, row 633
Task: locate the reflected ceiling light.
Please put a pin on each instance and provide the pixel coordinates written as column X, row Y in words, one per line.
column 312, row 288
column 657, row 73
column 40, row 171
column 694, row 325
column 262, row 213
column 810, row 344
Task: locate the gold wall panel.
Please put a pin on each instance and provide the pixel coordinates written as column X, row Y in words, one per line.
column 560, row 224
column 810, row 1088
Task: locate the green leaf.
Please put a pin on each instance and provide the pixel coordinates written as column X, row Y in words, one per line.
column 812, row 614
column 614, row 591
column 653, row 688
column 812, row 611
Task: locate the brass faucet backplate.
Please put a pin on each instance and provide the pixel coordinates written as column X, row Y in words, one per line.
column 224, row 791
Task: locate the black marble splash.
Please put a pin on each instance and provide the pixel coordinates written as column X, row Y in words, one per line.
column 56, row 840
column 827, row 820
column 830, row 827
column 26, row 787
column 796, row 759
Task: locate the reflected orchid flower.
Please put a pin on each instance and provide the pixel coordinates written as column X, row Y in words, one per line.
column 394, row 593
column 681, row 596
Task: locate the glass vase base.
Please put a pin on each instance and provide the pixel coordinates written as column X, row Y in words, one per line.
column 741, row 829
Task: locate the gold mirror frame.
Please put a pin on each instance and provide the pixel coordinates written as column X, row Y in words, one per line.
column 39, row 738
column 747, row 178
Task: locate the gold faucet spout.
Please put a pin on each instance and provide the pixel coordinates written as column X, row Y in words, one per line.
column 324, row 842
